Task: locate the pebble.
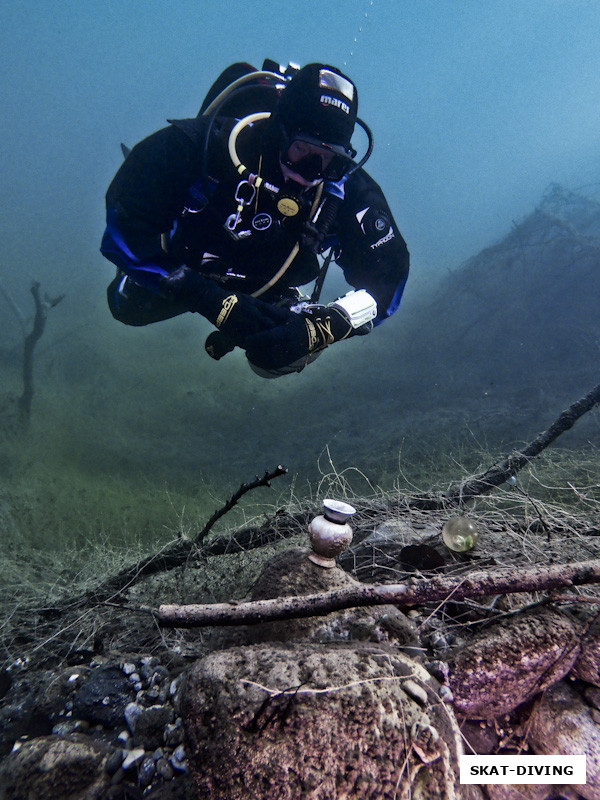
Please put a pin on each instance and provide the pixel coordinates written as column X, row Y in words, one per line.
column 592, row 695
column 146, row 772
column 446, row 694
column 133, row 758
column 124, row 737
column 160, row 675
column 147, row 667
column 114, row 761
column 132, row 714
column 164, row 770
column 174, row 733
column 177, row 760
column 163, row 692
column 70, row 726
column 415, row 691
column 152, row 694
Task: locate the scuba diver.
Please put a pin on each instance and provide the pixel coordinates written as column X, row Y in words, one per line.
column 227, row 213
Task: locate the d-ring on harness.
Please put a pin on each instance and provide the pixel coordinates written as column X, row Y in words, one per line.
column 244, row 187
column 250, row 182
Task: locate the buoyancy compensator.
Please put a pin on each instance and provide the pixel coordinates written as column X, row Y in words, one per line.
column 249, row 95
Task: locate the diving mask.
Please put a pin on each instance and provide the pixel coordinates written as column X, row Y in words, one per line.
column 313, row 159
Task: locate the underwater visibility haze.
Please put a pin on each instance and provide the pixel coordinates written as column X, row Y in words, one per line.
column 476, row 109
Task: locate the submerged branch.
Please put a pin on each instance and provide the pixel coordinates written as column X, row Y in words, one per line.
column 235, row 498
column 175, row 555
column 479, row 583
column 501, row 471
column 39, row 323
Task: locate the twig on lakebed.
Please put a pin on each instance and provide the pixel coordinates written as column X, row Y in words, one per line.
column 480, row 583
column 169, row 558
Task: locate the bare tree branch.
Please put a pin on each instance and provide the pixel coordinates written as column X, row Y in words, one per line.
column 480, row 583
column 500, row 472
column 39, row 323
column 173, row 556
column 234, row 499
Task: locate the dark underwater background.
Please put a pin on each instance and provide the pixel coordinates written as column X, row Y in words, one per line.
column 485, row 118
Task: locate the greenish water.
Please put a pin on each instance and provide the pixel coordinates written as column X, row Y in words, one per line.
column 135, row 433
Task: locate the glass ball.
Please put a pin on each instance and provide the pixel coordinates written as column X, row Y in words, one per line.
column 459, row 534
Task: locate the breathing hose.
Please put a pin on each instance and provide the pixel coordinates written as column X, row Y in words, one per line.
column 251, row 76
column 293, row 253
column 246, row 174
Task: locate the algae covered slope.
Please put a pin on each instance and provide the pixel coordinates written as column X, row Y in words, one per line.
column 136, row 434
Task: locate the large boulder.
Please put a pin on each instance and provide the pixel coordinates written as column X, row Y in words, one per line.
column 511, row 661
column 561, row 722
column 587, row 666
column 71, row 768
column 291, row 574
column 287, row 722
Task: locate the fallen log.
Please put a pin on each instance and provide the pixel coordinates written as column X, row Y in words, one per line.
column 480, row 583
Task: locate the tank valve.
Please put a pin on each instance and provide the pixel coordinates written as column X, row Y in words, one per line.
column 330, row 534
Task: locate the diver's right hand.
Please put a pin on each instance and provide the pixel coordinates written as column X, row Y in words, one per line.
column 218, row 344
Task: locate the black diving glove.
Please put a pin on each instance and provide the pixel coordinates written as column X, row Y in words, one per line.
column 314, row 329
column 238, row 316
column 218, row 344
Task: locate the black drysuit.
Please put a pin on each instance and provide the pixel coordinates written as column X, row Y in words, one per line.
column 173, row 203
